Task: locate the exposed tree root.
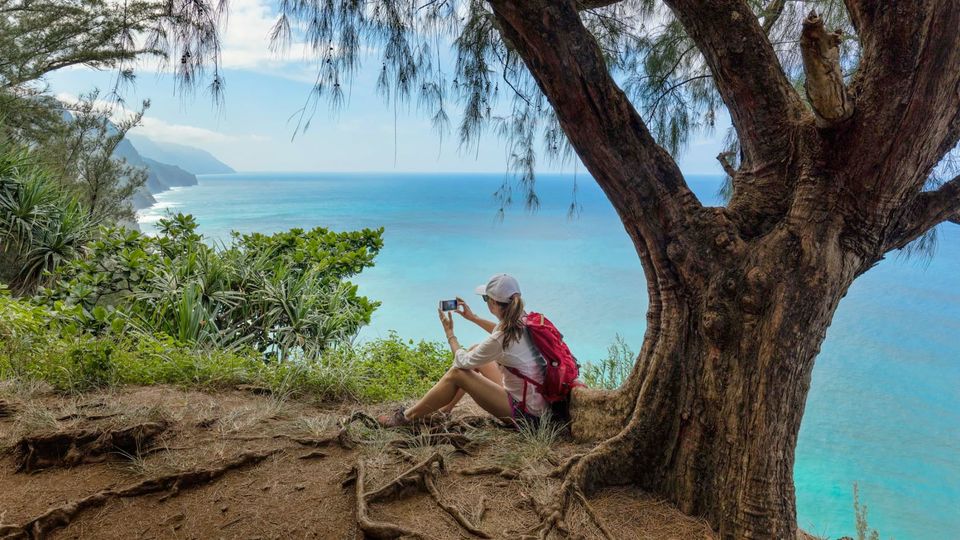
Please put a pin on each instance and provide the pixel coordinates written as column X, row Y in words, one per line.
column 573, row 472
column 422, row 474
column 483, row 509
column 207, row 423
column 341, row 437
column 70, row 448
column 363, row 418
column 7, row 409
column 409, row 477
column 60, row 516
column 428, row 482
column 374, row 529
column 456, row 440
column 509, row 474
column 473, row 422
column 562, row 470
column 90, row 417
column 316, row 454
column 532, row 533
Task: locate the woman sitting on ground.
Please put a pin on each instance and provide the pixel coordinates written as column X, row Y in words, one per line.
column 479, row 371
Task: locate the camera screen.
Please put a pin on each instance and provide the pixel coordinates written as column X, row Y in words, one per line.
column 448, row 305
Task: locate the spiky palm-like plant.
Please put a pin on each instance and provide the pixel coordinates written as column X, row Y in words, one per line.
column 41, row 225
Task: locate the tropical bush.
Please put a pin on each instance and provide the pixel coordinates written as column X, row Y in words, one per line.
column 42, row 226
column 284, row 295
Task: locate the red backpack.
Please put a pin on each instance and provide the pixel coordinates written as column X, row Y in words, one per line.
column 562, row 370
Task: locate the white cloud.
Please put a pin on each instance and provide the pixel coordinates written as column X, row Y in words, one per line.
column 246, row 44
column 163, row 131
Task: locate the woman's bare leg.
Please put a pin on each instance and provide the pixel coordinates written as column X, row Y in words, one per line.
column 487, row 394
column 490, row 371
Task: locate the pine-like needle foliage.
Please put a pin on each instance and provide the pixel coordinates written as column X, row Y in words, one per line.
column 439, row 54
column 38, row 37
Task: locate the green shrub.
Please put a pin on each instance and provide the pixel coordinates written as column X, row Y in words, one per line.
column 393, row 369
column 284, row 295
column 42, row 225
column 610, row 372
column 37, row 344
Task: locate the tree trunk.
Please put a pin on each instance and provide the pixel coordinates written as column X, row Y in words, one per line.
column 718, row 392
column 741, row 297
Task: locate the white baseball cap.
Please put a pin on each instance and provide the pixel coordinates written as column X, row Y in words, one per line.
column 500, row 287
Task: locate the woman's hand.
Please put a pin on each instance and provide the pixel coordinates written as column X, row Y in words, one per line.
column 446, row 319
column 464, row 310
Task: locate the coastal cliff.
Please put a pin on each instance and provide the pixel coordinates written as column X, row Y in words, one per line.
column 167, row 165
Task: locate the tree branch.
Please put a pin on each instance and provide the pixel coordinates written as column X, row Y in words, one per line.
column 762, row 103
column 907, row 88
column 929, row 209
column 824, row 82
column 724, row 159
column 853, row 9
column 594, row 4
column 771, row 14
column 642, row 180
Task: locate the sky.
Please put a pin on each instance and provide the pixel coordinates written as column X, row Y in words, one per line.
column 253, row 129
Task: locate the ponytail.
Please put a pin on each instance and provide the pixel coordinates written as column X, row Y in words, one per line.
column 511, row 323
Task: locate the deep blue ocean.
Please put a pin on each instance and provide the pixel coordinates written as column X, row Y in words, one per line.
column 884, row 406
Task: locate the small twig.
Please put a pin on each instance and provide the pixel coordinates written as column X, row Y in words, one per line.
column 483, row 509
column 404, row 455
column 578, row 493
column 477, row 471
column 225, row 525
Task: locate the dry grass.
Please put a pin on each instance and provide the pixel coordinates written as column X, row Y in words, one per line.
column 24, row 389
column 625, row 509
column 315, row 426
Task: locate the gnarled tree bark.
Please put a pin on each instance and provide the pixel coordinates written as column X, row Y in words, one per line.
column 821, row 62
column 741, row 297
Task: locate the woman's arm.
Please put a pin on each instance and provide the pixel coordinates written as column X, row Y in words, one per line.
column 464, row 310
column 488, row 350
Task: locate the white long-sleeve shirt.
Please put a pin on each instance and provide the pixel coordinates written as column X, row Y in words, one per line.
column 521, row 355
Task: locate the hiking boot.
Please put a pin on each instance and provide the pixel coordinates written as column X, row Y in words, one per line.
column 394, row 419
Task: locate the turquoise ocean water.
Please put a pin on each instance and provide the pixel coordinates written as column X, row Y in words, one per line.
column 884, row 407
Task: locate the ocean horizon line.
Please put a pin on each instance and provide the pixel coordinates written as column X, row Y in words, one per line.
column 432, row 173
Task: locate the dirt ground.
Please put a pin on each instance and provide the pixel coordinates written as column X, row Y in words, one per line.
column 160, row 462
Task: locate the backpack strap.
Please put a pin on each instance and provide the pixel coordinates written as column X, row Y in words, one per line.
column 523, row 402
